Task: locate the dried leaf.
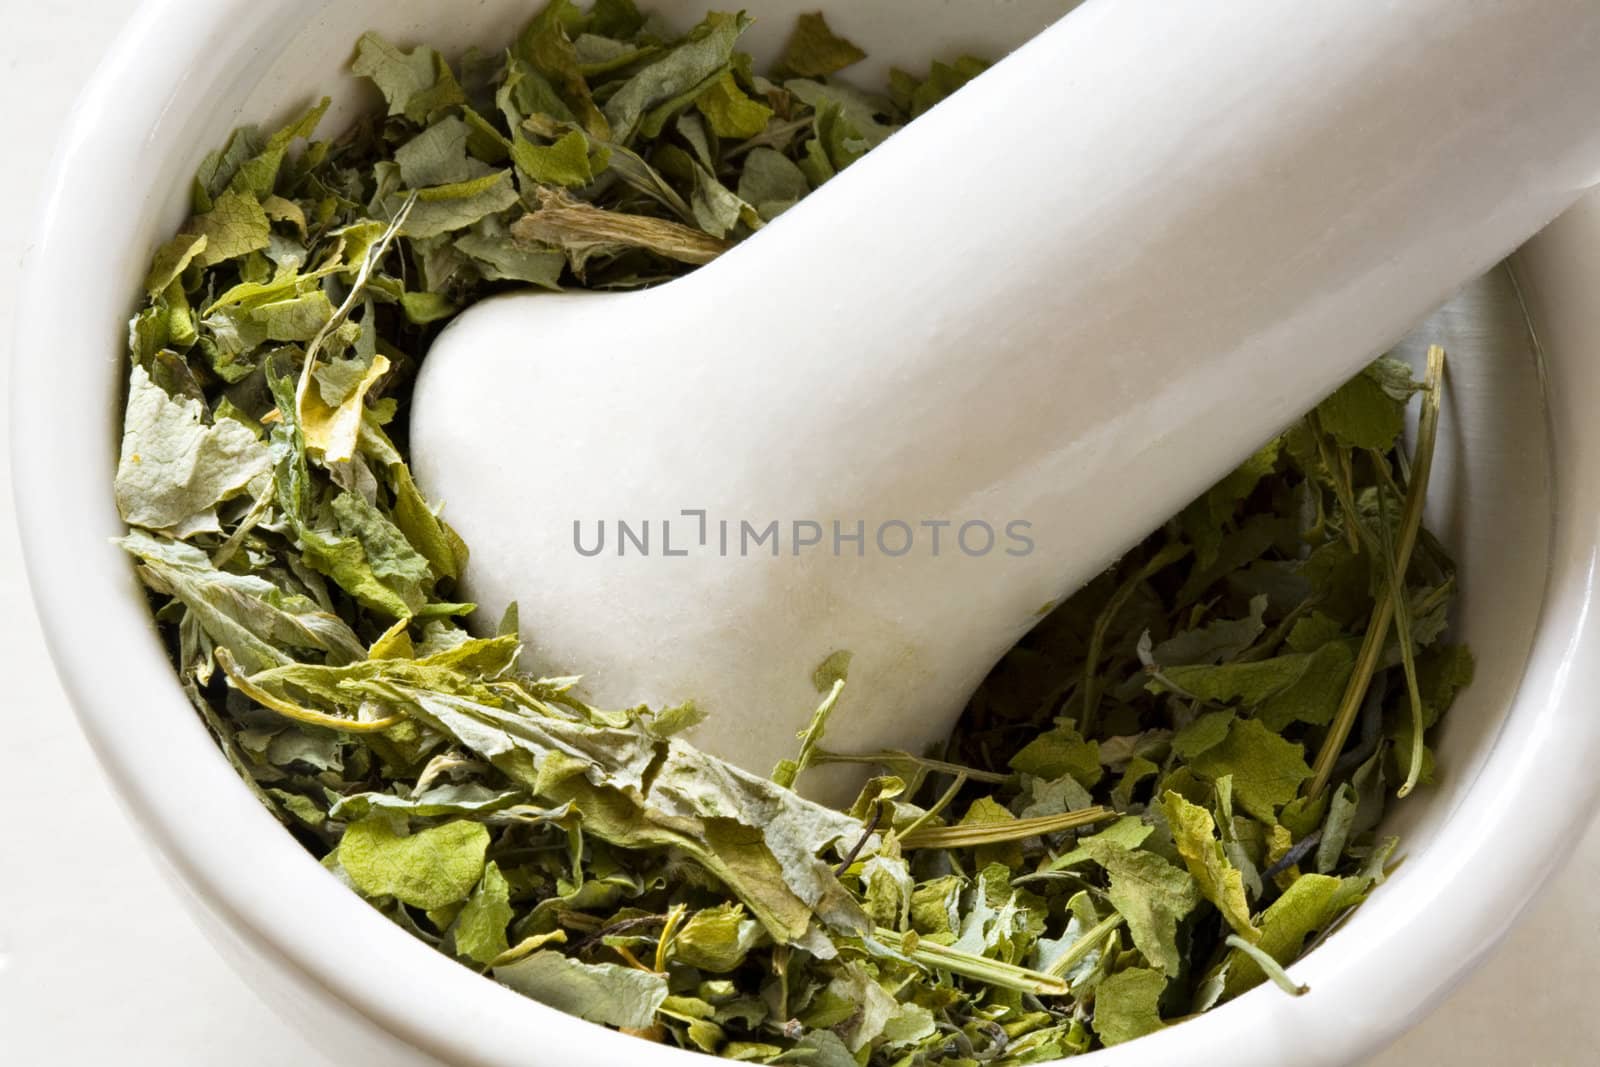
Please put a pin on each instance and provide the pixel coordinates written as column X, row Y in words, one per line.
column 599, row 992
column 815, row 51
column 175, row 469
column 428, row 869
column 1125, row 1005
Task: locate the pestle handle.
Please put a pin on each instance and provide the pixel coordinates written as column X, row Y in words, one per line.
column 1073, row 295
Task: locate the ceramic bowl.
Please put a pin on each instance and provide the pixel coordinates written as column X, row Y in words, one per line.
column 1518, row 501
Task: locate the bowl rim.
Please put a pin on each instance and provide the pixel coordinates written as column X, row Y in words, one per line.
column 1419, row 936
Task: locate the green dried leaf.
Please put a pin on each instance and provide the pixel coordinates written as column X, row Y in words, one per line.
column 1219, row 882
column 234, row 227
column 730, row 111
column 716, row 209
column 760, row 839
column 887, row 889
column 302, row 808
column 258, row 175
column 677, row 75
column 423, row 309
column 172, row 259
column 819, row 1048
column 438, row 156
column 1203, row 733
column 174, row 469
column 1125, row 1005
column 299, row 318
column 1314, row 696
column 386, row 553
column 1250, row 682
column 1441, row 674
column 837, row 144
column 468, row 799
column 1127, row 833
column 771, row 183
column 943, row 79
column 1053, row 797
column 446, row 208
column 986, row 811
column 910, row 1024
column 565, row 162
column 1215, row 642
column 251, row 617
column 615, row 18
column 1204, row 520
column 870, row 1007
column 936, row 907
column 1362, row 414
column 428, row 869
column 1061, row 751
column 859, row 111
column 1152, row 895
column 599, row 992
column 416, row 84
column 1241, row 839
column 480, row 929
column 1267, row 770
column 815, row 51
column 1307, row 906
column 717, row 940
column 1138, row 770
column 546, row 47
column 505, row 259
column 1336, row 829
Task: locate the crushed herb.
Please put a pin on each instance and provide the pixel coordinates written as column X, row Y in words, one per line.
column 1153, row 803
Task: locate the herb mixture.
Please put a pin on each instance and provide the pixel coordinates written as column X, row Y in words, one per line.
column 1153, row 804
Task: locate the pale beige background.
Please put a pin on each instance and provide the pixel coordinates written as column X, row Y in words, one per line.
column 100, row 964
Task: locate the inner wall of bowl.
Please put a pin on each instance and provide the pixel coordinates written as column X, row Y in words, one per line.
column 1492, row 504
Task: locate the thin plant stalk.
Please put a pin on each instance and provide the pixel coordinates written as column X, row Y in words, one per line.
column 1383, row 610
column 1402, row 627
column 788, row 771
column 290, row 710
column 1271, row 967
column 994, row 833
column 980, row 968
column 374, row 256
column 939, row 805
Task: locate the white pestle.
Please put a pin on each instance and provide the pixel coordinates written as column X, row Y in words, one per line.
column 1072, row 295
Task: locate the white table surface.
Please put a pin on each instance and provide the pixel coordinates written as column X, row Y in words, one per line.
column 99, row 961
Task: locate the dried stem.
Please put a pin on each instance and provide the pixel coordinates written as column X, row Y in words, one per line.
column 1383, row 610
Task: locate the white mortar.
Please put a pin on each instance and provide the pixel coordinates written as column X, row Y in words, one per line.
column 1521, row 499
